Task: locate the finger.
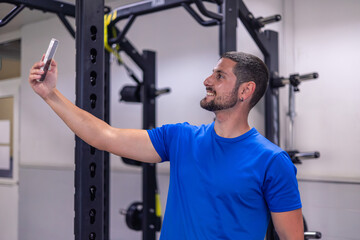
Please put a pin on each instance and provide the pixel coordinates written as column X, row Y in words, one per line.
column 37, row 65
column 43, row 56
column 36, row 71
column 53, row 66
column 34, row 77
column 53, row 63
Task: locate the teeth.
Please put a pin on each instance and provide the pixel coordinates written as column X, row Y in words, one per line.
column 210, row 94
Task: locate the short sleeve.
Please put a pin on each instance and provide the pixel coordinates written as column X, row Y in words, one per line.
column 281, row 187
column 158, row 139
column 165, row 138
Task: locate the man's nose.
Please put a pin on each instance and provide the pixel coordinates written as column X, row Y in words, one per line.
column 208, row 81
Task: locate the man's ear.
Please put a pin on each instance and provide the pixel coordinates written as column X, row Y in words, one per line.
column 246, row 90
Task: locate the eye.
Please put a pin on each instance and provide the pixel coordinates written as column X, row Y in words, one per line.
column 219, row 76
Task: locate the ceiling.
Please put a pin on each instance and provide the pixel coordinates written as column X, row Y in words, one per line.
column 28, row 16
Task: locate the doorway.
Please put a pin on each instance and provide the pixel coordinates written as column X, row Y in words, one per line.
column 9, row 140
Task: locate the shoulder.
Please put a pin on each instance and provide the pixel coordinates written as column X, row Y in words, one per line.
column 183, row 128
column 267, row 144
column 261, row 146
column 272, row 155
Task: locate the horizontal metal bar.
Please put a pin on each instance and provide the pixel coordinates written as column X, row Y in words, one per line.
column 146, row 7
column 15, row 11
column 307, row 154
column 46, row 6
column 205, row 12
column 312, row 235
column 198, row 18
column 262, row 39
column 300, row 78
column 271, row 19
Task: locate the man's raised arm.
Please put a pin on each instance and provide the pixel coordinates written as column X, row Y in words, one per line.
column 131, row 143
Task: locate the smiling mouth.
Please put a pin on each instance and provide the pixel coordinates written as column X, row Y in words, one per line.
column 210, row 92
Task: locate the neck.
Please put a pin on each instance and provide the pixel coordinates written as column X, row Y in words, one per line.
column 231, row 123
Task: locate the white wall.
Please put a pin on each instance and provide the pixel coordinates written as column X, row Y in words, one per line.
column 45, row 140
column 326, row 40
column 9, row 211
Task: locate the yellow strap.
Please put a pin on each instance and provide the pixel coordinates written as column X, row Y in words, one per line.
column 107, row 20
column 157, row 205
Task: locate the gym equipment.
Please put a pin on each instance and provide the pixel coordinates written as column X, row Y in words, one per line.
column 146, row 215
column 294, row 81
column 134, row 216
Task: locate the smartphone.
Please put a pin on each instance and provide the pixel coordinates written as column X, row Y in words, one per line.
column 48, row 57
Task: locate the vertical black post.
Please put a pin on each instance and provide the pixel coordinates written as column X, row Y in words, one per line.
column 106, row 170
column 91, row 173
column 149, row 170
column 268, row 42
column 272, row 108
column 227, row 28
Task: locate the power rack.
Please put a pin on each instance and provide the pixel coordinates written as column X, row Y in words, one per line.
column 92, row 88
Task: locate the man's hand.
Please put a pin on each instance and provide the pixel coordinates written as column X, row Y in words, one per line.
column 45, row 88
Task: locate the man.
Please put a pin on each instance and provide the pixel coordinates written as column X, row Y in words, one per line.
column 226, row 180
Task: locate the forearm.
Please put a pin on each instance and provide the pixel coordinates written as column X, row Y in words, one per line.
column 83, row 124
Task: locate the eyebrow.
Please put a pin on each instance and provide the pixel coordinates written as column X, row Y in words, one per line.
column 220, row 71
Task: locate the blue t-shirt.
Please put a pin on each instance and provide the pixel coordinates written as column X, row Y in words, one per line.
column 222, row 188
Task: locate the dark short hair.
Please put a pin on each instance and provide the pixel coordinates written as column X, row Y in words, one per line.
column 250, row 68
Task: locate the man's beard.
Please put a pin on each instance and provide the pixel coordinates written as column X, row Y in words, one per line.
column 220, row 103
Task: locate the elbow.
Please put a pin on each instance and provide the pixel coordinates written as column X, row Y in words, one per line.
column 100, row 141
column 105, row 140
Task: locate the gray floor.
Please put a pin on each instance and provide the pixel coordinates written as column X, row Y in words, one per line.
column 46, row 205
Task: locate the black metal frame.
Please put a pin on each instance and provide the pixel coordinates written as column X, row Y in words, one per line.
column 267, row 41
column 149, row 220
column 92, row 173
column 92, row 167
